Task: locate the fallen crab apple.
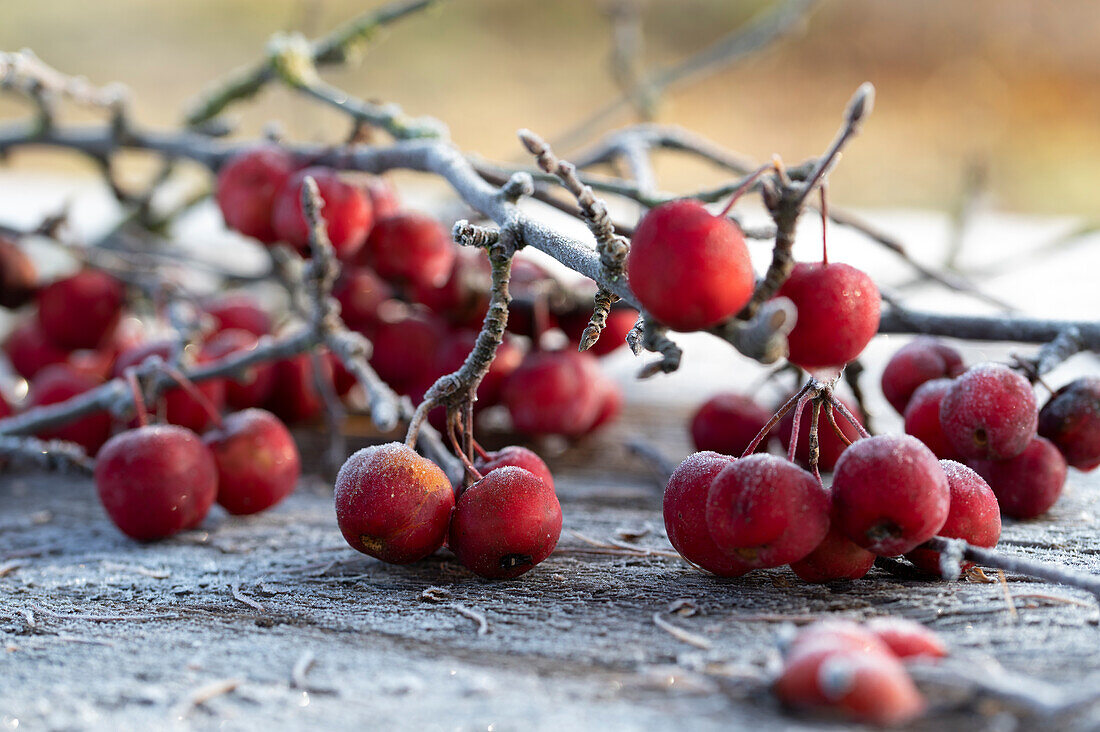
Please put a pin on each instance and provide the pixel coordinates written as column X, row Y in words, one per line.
column 394, row 505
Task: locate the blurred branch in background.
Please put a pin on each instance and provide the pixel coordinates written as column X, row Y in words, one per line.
column 741, row 42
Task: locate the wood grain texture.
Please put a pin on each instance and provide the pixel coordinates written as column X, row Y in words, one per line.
column 571, row 644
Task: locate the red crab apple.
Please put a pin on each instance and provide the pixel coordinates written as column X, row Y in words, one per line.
column 1071, row 420
column 838, row 313
column 463, row 298
column 60, row 382
column 254, row 386
column 505, row 524
column 240, row 311
column 1027, row 485
column 922, row 417
column 247, row 186
column 155, row 481
column 989, row 413
column 516, row 456
column 406, row 341
column 974, row 516
column 836, row 558
column 383, row 196
column 258, row 462
column 410, row 247
column 30, row 351
column 917, row 362
column 393, row 504
column 890, row 494
column 868, row 686
column 555, row 392
column 685, row 503
column 906, row 638
column 456, row 346
column 18, row 276
column 360, row 292
column 727, row 423
column 689, row 268
column 80, row 311
column 610, row 396
column 294, row 397
column 766, row 511
column 346, row 212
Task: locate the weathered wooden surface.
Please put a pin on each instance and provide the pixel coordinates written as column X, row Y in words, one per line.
column 573, row 644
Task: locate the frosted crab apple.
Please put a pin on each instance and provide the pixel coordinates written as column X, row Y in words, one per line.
column 393, row 504
column 689, row 268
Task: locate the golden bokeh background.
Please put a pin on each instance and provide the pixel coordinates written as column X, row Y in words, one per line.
column 1010, row 88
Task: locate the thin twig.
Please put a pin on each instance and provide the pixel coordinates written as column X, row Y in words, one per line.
column 335, row 48
column 482, row 623
column 1015, row 616
column 235, row 590
column 204, row 694
column 680, row 634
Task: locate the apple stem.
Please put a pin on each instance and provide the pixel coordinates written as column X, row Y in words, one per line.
column 746, row 184
column 195, row 393
column 796, row 423
column 780, row 414
column 452, row 435
column 139, row 399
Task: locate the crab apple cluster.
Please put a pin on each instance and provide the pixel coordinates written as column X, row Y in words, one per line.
column 857, row 670
column 399, row 507
column 75, row 320
column 921, row 360
column 259, row 192
column 889, row 495
column 420, row 300
column 988, row 418
column 731, row 516
column 728, row 422
column 157, row 480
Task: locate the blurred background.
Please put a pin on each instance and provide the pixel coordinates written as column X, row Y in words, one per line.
column 1002, row 92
